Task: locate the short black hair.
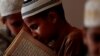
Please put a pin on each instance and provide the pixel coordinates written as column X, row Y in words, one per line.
column 59, row 10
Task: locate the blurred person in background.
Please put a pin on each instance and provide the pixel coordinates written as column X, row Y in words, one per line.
column 46, row 20
column 92, row 27
column 92, row 36
column 10, row 11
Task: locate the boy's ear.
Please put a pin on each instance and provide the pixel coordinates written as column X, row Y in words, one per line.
column 52, row 16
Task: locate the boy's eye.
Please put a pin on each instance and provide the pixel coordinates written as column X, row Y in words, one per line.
column 17, row 24
column 34, row 26
column 96, row 38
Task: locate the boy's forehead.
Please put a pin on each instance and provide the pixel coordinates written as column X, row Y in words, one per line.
column 29, row 19
column 94, row 30
column 32, row 19
column 38, row 16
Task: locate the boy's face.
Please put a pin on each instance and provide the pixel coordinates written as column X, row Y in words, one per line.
column 41, row 27
column 93, row 40
column 14, row 23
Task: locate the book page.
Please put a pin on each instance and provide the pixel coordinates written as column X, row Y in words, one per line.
column 25, row 45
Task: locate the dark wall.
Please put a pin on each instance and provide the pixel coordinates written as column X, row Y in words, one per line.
column 74, row 12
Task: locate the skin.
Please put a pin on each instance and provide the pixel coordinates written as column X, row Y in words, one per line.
column 93, row 42
column 14, row 23
column 41, row 29
column 48, row 27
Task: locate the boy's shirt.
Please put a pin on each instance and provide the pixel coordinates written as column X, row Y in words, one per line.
column 73, row 45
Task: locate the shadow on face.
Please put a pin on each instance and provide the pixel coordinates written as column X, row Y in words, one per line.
column 43, row 26
column 14, row 23
column 92, row 40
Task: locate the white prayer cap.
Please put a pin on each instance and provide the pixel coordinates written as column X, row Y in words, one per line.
column 8, row 7
column 92, row 14
column 33, row 7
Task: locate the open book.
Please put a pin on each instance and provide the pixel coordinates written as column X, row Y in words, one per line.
column 25, row 45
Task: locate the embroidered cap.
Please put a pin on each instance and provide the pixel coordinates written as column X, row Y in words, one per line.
column 33, row 7
column 8, row 7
